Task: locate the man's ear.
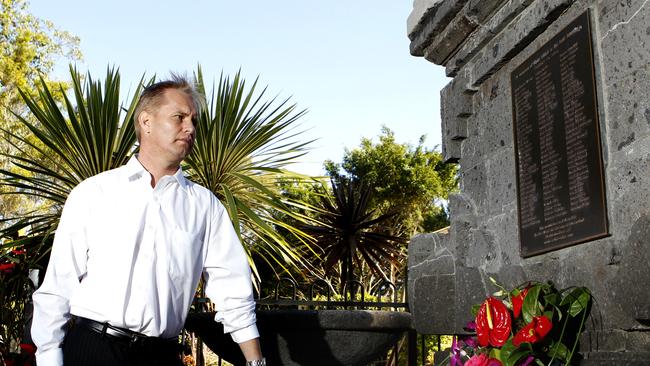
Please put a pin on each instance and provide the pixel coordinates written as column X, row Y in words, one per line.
column 144, row 121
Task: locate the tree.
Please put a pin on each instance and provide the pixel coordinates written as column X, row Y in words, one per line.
column 406, row 180
column 28, row 49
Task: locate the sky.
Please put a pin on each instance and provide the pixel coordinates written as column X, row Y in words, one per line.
column 346, row 62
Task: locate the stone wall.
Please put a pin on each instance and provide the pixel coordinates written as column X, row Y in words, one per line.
column 480, row 42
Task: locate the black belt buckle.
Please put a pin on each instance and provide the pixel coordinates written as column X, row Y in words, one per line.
column 137, row 340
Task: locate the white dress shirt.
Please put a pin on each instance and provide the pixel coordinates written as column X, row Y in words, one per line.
column 132, row 255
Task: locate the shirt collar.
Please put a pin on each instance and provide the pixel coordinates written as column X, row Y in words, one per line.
column 135, row 170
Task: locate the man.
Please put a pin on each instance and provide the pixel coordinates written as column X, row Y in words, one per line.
column 131, row 247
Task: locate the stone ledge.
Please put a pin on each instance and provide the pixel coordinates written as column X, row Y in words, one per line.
column 443, row 44
column 422, row 10
column 475, row 42
column 473, row 15
column 433, row 23
column 515, row 37
column 615, row 359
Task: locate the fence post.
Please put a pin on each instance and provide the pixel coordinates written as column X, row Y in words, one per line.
column 413, row 348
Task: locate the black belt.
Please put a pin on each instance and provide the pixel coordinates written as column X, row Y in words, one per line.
column 124, row 335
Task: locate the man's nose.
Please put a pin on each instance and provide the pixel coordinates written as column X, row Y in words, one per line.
column 189, row 126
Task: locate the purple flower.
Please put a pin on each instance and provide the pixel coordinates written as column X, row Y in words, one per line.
column 470, row 341
column 455, row 359
column 471, row 325
column 529, row 360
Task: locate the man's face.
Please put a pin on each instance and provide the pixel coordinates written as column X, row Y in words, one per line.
column 169, row 129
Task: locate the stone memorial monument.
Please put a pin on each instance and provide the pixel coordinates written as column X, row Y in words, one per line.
column 548, row 117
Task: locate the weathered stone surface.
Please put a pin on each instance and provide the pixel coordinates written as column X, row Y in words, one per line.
column 434, row 23
column 473, row 181
column 449, row 39
column 429, row 299
column 634, row 284
column 451, row 150
column 615, row 359
column 624, row 24
column 479, row 10
column 461, row 206
column 505, row 230
column 470, row 290
column 481, row 251
column 460, row 236
column 456, row 106
column 421, row 10
column 436, row 281
column 501, row 191
column 484, row 33
column 629, row 113
column 518, row 34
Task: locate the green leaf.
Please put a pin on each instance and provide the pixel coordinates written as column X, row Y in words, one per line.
column 518, row 354
column 553, row 299
column 475, row 309
column 531, row 306
column 579, row 298
column 558, row 350
column 507, row 349
column 496, row 353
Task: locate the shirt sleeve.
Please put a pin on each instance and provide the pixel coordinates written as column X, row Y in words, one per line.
column 228, row 281
column 66, row 268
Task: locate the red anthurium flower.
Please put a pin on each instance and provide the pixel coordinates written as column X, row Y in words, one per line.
column 533, row 331
column 493, row 323
column 518, row 302
column 28, row 348
column 18, row 251
column 7, row 267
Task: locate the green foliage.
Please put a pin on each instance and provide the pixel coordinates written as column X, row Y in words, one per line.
column 350, row 234
column 15, row 291
column 405, row 179
column 242, row 145
column 28, row 49
column 67, row 145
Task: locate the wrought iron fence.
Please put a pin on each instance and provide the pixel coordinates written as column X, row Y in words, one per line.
column 412, row 349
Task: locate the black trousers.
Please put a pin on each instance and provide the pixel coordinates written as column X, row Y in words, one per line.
column 84, row 347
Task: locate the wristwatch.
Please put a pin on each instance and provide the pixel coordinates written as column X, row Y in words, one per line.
column 261, row 362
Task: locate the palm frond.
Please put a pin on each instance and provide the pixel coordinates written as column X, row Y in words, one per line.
column 243, row 144
column 69, row 143
column 350, row 234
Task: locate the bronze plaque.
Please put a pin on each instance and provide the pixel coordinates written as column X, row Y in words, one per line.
column 560, row 185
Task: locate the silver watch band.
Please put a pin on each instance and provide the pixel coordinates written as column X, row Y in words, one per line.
column 261, row 362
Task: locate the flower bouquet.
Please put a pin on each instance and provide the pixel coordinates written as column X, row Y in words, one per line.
column 534, row 324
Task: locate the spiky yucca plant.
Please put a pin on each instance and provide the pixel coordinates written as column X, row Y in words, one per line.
column 72, row 142
column 243, row 144
column 351, row 234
